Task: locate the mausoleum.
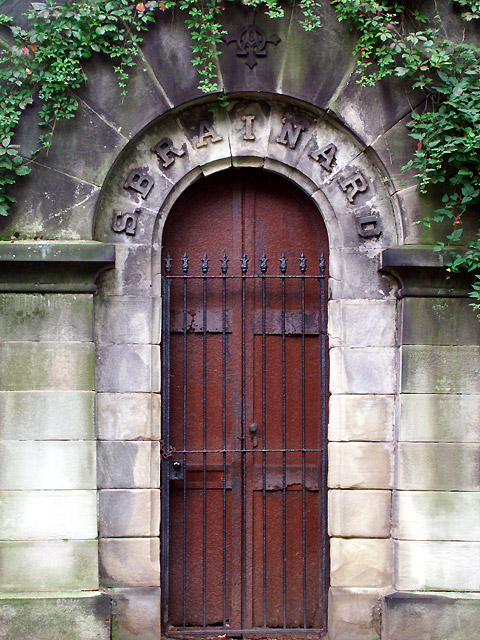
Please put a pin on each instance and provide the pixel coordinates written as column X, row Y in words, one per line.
column 239, row 392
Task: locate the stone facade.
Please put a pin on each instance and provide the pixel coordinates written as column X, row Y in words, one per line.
column 80, row 334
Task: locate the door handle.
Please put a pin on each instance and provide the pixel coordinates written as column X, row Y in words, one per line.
column 253, row 433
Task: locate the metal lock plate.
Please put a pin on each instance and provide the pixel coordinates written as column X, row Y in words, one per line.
column 176, row 470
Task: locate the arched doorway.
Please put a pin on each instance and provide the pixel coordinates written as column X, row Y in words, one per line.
column 244, row 370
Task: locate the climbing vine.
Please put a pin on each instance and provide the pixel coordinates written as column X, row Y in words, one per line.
column 43, row 62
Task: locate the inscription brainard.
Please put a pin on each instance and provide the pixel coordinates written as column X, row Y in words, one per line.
column 352, row 183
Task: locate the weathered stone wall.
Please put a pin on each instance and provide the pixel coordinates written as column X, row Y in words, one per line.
column 404, row 346
column 48, row 498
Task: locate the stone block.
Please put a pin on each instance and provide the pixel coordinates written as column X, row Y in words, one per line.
column 395, row 148
column 360, row 465
column 52, row 565
column 46, row 366
column 437, row 515
column 354, row 614
column 128, row 416
column 46, row 317
column 367, row 370
column 361, row 323
column 439, row 321
column 369, row 417
column 361, row 562
column 433, row 369
column 102, row 93
column 388, row 100
column 359, row 514
column 416, row 206
column 208, row 152
column 129, row 562
column 251, row 148
column 236, row 75
column 132, row 513
column 411, row 616
column 46, row 415
column 123, row 320
column 94, row 138
column 63, row 212
column 48, row 515
column 437, row 566
column 439, row 417
column 311, row 72
column 438, row 466
column 354, row 274
column 136, row 613
column 128, row 465
column 123, row 368
column 132, row 273
column 47, row 465
column 66, row 616
column 167, row 52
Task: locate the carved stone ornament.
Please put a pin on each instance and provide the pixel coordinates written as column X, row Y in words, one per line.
column 139, row 180
column 325, row 156
column 290, row 133
column 368, row 223
column 165, row 151
column 125, row 222
column 251, row 43
column 353, row 185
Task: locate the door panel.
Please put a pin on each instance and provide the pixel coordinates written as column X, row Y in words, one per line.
column 244, row 544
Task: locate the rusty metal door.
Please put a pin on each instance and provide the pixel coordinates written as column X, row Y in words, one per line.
column 244, row 364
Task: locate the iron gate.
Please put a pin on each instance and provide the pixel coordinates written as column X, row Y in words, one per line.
column 244, row 414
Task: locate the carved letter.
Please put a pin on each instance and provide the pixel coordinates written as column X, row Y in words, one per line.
column 328, row 155
column 368, row 223
column 290, row 133
column 249, row 135
column 139, row 180
column 125, row 222
column 206, row 130
column 354, row 184
column 165, row 148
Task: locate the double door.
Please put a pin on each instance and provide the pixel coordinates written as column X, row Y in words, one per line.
column 244, row 364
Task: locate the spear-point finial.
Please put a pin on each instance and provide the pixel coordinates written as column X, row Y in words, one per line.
column 224, row 263
column 244, row 263
column 322, row 264
column 263, row 263
column 185, row 263
column 303, row 263
column 204, row 262
column 168, row 264
column 283, row 263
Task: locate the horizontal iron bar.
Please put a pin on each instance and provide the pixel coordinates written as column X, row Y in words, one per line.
column 241, row 277
column 248, row 451
column 214, row 631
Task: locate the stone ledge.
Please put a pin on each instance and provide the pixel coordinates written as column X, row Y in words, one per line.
column 421, row 272
column 58, row 267
column 417, row 616
column 64, row 616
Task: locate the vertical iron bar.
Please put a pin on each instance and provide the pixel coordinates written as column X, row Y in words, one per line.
column 184, row 594
column 224, row 263
column 243, row 454
column 304, row 540
column 283, row 269
column 204, row 263
column 263, row 268
column 323, row 381
column 165, row 435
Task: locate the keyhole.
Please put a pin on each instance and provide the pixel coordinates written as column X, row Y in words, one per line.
column 253, row 432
